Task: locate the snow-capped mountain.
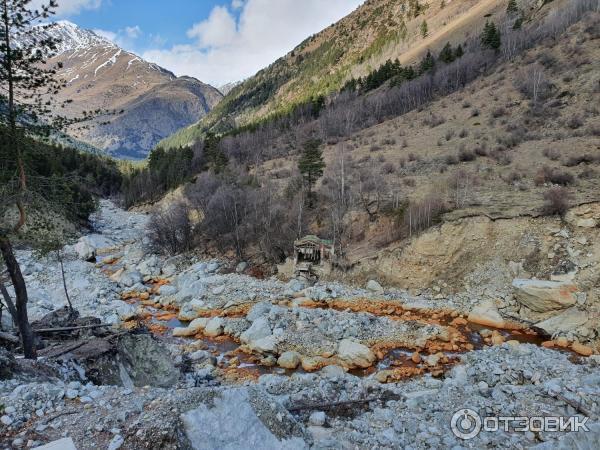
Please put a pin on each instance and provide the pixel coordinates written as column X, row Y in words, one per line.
column 101, row 75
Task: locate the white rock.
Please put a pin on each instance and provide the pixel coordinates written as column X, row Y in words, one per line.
column 116, row 442
column 85, row 250
column 214, row 327
column 543, row 296
column 6, row 420
column 374, row 286
column 218, row 290
column 567, row 321
column 289, row 360
column 355, row 354
column 317, row 418
column 61, row 444
column 265, row 345
column 259, row 329
column 486, row 314
column 195, row 326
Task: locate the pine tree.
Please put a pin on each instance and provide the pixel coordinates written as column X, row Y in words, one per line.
column 459, row 52
column 512, row 7
column 311, row 166
column 490, row 38
column 447, row 54
column 28, row 87
column 424, row 29
column 427, row 63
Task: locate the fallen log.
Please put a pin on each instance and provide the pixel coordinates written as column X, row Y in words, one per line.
column 65, row 329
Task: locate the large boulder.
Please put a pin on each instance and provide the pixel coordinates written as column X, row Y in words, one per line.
column 486, row 314
column 565, row 322
column 544, row 296
column 241, row 419
column 375, row 287
column 354, row 354
column 259, row 329
column 126, row 360
column 214, row 327
column 195, row 327
column 85, row 250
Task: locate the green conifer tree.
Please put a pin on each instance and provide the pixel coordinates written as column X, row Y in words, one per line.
column 491, row 38
column 311, row 166
column 424, row 29
column 447, row 54
column 512, row 7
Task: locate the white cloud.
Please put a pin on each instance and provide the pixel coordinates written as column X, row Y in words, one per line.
column 133, row 32
column 110, row 35
column 218, row 30
column 68, row 7
column 124, row 38
column 230, row 47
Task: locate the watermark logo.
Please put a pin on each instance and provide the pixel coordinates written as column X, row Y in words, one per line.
column 467, row 423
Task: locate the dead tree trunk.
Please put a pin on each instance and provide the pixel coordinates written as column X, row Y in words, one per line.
column 62, row 271
column 9, row 303
column 27, row 336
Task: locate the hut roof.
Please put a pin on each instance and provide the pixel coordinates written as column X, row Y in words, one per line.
column 312, row 239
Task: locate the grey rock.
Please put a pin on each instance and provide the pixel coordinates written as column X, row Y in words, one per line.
column 242, row 419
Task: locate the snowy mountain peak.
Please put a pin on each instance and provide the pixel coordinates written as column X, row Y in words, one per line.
column 72, row 38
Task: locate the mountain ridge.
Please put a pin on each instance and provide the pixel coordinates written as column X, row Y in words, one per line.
column 100, row 75
column 376, row 31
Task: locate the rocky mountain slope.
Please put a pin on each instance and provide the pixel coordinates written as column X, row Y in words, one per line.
column 354, row 46
column 100, row 75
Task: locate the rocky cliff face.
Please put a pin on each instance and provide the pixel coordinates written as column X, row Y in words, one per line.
column 151, row 102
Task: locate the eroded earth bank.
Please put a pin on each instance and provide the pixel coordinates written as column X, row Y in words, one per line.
column 200, row 354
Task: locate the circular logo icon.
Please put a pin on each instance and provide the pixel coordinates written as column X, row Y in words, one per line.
column 465, row 424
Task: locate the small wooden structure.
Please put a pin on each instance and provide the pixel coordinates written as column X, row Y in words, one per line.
column 312, row 256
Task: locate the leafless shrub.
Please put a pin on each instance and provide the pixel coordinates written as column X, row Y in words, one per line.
column 421, row 215
column 433, row 120
column 170, row 230
column 481, row 150
column 375, row 148
column 412, row 157
column 513, row 177
column 410, row 182
column 552, row 154
column 388, row 141
column 381, row 158
column 465, row 155
column 404, row 143
column 533, row 83
column 388, row 168
column 463, row 133
column 499, row 111
column 451, row 160
column 449, row 134
column 466, row 104
column 475, row 112
column 554, row 176
column 588, row 174
column 593, row 130
column 501, row 156
column 575, row 122
column 547, row 60
column 557, row 200
column 586, row 158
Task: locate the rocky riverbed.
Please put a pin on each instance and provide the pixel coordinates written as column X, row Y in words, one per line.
column 203, row 355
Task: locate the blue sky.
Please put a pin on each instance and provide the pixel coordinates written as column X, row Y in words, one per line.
column 217, row 41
